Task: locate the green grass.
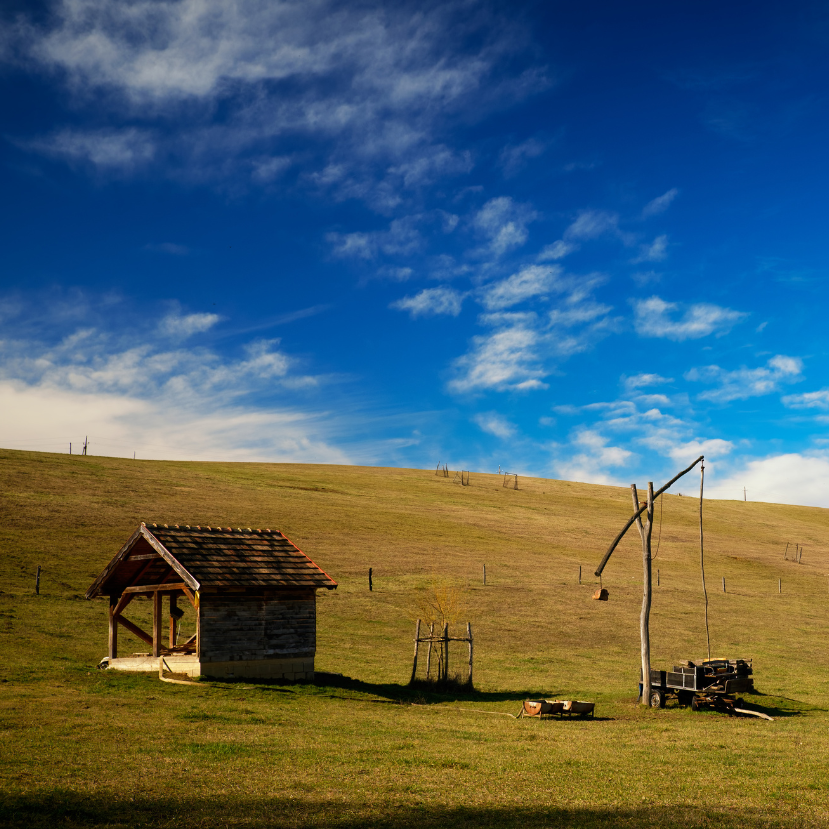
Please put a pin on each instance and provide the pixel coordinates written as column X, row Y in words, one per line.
column 82, row 747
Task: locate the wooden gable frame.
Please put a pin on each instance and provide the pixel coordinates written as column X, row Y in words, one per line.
column 155, row 573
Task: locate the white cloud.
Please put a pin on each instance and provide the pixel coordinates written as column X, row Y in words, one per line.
column 505, row 360
column 593, row 456
column 591, row 224
column 177, row 326
column 367, row 88
column 558, row 250
column 652, row 318
column 504, row 223
column 63, row 376
column 654, row 252
column 495, row 424
column 809, row 400
column 660, row 204
column 747, row 382
column 402, row 238
column 431, row 302
column 516, row 156
column 532, row 281
column 638, row 381
column 794, row 478
column 105, row 150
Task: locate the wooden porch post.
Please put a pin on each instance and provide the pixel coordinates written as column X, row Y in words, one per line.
column 113, row 628
column 157, row 623
column 173, row 621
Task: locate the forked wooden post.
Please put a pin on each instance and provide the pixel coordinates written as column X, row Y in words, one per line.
column 645, row 535
column 417, row 645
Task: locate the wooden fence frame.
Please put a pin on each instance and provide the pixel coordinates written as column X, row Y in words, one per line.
column 441, row 642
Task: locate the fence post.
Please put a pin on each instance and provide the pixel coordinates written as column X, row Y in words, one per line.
column 446, row 651
column 579, row 573
column 429, row 652
column 484, row 575
column 37, row 581
column 657, row 577
column 779, row 585
column 469, row 634
column 370, row 585
column 723, row 584
column 417, row 645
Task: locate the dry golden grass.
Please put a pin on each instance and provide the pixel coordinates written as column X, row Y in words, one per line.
column 82, row 747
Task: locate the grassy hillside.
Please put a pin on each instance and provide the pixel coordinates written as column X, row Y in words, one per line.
column 82, row 746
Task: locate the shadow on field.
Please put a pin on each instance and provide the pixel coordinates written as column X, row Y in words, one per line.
column 71, row 809
column 422, row 692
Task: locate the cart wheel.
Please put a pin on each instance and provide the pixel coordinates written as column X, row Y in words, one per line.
column 694, row 704
column 657, row 698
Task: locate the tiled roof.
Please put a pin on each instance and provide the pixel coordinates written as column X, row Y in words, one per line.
column 222, row 556
column 211, row 557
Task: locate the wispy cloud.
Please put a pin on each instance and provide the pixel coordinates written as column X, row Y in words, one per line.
column 494, row 424
column 504, row 360
column 530, row 282
column 180, row 326
column 69, row 375
column 660, row 204
column 808, row 400
column 591, row 224
column 515, row 156
column 557, row 250
column 747, row 382
column 368, row 88
column 656, row 251
column 431, row 302
column 653, row 318
column 638, row 381
column 503, row 222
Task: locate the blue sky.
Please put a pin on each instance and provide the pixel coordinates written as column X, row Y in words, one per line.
column 582, row 241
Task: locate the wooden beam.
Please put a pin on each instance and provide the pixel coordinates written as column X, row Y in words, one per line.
column 143, row 557
column 155, row 588
column 642, row 509
column 113, row 627
column 156, row 624
column 186, row 591
column 173, row 620
column 135, row 630
column 125, row 599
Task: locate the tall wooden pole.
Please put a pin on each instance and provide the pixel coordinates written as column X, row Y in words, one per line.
column 702, row 558
column 644, row 616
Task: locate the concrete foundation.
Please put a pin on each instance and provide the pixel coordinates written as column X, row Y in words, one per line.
column 292, row 669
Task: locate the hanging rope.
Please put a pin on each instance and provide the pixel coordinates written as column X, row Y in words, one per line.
column 659, row 537
column 701, row 558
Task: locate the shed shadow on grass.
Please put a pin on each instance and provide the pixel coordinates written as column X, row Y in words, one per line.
column 74, row 809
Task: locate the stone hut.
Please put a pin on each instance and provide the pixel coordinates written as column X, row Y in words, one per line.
column 254, row 594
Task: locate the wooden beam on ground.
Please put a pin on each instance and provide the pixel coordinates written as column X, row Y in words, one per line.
column 135, row 630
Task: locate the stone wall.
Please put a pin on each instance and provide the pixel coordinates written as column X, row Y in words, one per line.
column 253, row 626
